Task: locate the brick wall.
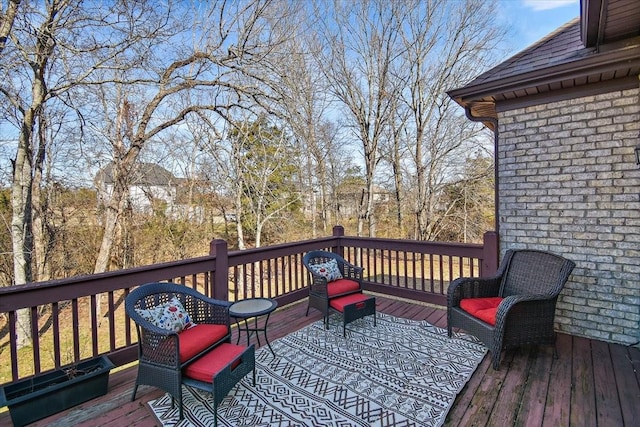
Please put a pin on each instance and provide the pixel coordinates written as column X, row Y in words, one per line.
column 569, row 184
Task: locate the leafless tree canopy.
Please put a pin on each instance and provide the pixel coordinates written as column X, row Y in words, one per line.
column 275, row 119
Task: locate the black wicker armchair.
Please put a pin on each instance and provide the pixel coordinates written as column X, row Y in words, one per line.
column 327, row 283
column 513, row 308
column 164, row 353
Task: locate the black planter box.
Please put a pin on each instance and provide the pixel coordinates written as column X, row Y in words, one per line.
column 38, row 397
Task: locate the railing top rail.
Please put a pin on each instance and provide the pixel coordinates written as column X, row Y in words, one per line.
column 238, row 257
column 13, row 297
column 444, row 248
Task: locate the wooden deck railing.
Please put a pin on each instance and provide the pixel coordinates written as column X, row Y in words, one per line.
column 82, row 317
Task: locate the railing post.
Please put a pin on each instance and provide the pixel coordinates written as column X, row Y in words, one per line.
column 218, row 249
column 490, row 254
column 338, row 231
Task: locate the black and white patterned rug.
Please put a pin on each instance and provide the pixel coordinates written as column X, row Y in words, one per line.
column 399, row 373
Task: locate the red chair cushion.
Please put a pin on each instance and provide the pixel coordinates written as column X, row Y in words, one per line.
column 198, row 338
column 206, row 367
column 342, row 286
column 340, row 302
column 484, row 309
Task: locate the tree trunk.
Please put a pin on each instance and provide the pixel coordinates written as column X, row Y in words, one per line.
column 21, row 202
column 21, row 225
column 6, row 23
column 115, row 208
column 42, row 238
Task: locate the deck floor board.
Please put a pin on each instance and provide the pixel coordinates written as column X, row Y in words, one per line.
column 536, row 388
column 626, row 366
column 589, row 383
column 583, row 400
column 557, row 409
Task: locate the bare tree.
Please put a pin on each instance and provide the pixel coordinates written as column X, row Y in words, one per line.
column 472, row 200
column 215, row 75
column 361, row 44
column 332, row 160
column 445, row 43
column 48, row 47
column 394, row 153
column 31, row 49
column 306, row 103
column 304, row 113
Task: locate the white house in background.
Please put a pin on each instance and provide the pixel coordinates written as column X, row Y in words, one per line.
column 150, row 184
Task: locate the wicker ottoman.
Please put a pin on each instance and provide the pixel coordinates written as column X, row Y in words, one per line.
column 354, row 307
column 219, row 371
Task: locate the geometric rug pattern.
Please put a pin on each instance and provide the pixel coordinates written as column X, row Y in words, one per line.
column 401, row 373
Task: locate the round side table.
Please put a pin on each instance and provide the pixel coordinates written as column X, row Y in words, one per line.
column 253, row 307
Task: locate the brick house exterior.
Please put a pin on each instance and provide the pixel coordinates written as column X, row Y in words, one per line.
column 566, row 117
column 569, row 184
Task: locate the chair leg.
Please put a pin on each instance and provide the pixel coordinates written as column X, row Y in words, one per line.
column 495, row 357
column 133, row 395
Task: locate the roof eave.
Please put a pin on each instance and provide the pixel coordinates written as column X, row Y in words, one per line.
column 626, row 57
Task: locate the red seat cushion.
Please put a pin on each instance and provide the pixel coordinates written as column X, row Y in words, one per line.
column 206, row 367
column 342, row 286
column 198, row 338
column 340, row 302
column 484, row 309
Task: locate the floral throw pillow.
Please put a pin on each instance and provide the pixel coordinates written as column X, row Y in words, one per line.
column 170, row 316
column 328, row 270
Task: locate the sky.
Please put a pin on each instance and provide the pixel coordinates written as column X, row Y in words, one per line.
column 527, row 20
column 531, row 20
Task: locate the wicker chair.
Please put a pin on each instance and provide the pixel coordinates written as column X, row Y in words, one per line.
column 322, row 290
column 520, row 299
column 161, row 358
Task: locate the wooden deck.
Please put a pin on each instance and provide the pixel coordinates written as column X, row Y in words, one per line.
column 591, row 383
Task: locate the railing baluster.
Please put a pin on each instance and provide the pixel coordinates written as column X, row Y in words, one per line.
column 271, row 277
column 35, row 337
column 112, row 323
column 55, row 317
column 430, row 273
column 13, row 346
column 414, row 274
column 76, row 329
column 94, row 325
column 396, row 256
column 127, row 322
